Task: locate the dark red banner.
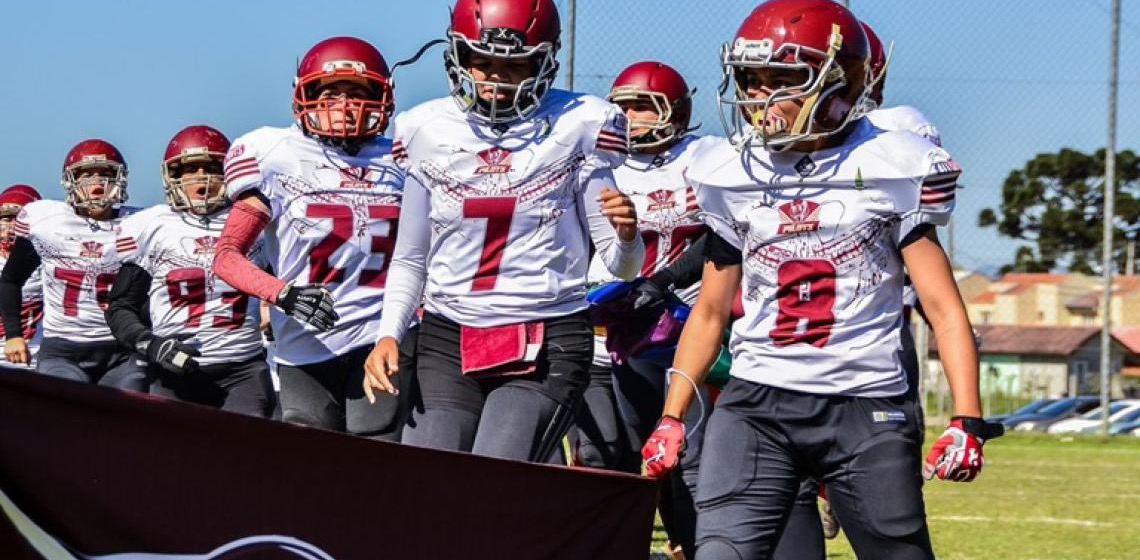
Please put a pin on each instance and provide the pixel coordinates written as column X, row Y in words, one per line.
column 87, row 472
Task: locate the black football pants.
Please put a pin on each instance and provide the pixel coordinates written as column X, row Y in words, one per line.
column 763, row 441
column 330, row 394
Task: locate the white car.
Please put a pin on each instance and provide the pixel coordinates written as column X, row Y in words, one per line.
column 1116, row 410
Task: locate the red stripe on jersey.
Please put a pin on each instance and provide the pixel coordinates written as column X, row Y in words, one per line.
column 949, row 187
column 241, row 167
column 940, row 179
column 20, row 228
column 613, row 146
column 241, row 161
column 232, row 178
column 937, row 199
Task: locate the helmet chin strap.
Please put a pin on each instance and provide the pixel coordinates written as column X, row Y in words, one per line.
column 809, row 106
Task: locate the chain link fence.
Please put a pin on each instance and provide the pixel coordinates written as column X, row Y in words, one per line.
column 1003, row 80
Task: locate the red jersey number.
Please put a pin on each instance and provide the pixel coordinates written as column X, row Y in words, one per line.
column 73, row 284
column 499, row 211
column 321, row 270
column 806, row 296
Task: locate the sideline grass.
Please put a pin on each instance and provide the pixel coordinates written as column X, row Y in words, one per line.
column 1040, row 497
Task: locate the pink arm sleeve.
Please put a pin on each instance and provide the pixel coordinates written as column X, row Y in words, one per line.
column 232, row 265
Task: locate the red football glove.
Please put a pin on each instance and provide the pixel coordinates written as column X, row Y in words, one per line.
column 662, row 451
column 957, row 455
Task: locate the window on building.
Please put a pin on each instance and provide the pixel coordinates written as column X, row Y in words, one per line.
column 1080, row 367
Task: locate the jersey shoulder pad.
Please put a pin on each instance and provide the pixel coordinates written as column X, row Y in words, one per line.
column 247, row 159
column 407, row 124
column 710, row 155
column 602, row 124
column 134, row 230
column 34, row 216
column 905, row 118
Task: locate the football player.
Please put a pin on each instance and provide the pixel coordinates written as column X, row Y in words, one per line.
column 200, row 336
column 75, row 243
column 327, row 195
column 815, row 213
column 657, row 102
column 508, row 183
column 32, row 299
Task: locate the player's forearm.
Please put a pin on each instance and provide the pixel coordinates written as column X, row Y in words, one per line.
column 231, row 262
column 696, row 352
column 407, row 273
column 622, row 258
column 959, row 355
column 686, row 270
column 126, row 306
column 22, row 263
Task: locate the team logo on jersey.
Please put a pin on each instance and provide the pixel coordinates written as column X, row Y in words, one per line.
column 661, row 200
column 495, row 160
column 205, row 245
column 805, row 166
column 355, row 177
column 799, row 216
column 91, row 250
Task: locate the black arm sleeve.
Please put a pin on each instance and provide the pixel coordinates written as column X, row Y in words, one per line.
column 718, row 251
column 127, row 313
column 687, row 269
column 22, row 263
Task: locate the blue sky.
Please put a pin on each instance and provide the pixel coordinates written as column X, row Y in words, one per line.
column 1001, row 80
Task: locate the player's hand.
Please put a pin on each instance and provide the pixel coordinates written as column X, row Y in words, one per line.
column 619, row 210
column 171, row 354
column 312, row 304
column 957, row 455
column 16, row 350
column 649, row 294
column 382, row 363
column 662, row 451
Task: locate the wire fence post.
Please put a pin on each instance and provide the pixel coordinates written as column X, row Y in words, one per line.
column 571, row 14
column 1109, row 215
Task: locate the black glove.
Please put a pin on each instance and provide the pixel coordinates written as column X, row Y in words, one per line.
column 170, row 353
column 652, row 292
column 312, row 304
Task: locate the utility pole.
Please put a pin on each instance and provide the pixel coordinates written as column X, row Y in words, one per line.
column 1109, row 216
column 571, row 12
column 1130, row 258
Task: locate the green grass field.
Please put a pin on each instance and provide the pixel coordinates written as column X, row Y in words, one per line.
column 1040, row 498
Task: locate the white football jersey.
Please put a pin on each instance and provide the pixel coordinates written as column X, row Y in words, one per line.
column 667, row 212
column 819, row 234
column 500, row 220
column 186, row 298
column 333, row 222
column 31, row 314
column 905, row 118
column 79, row 263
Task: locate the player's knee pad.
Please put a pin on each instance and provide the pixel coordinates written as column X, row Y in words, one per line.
column 718, row 549
column 602, row 455
column 302, row 418
column 889, row 489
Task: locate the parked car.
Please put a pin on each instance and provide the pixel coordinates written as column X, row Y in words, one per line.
column 1030, row 408
column 1093, row 418
column 1124, row 426
column 1062, row 409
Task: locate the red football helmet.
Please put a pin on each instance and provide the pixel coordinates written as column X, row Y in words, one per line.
column 195, row 144
column 503, row 29
column 108, row 188
column 343, row 59
column 821, row 41
column 671, row 97
column 879, row 59
column 12, row 199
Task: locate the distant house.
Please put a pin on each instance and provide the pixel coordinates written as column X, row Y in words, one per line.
column 1053, row 299
column 1046, row 361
